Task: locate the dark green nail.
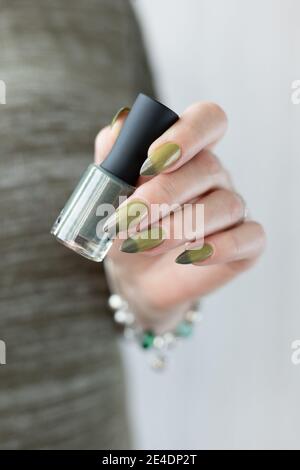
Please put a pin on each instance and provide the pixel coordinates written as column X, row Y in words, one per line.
column 122, row 112
column 143, row 241
column 163, row 157
column 197, row 255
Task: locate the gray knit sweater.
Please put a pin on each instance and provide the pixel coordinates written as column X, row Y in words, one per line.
column 68, row 66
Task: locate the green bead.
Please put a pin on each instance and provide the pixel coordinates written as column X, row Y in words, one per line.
column 184, row 329
column 147, row 339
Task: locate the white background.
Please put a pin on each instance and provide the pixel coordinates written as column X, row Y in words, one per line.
column 233, row 385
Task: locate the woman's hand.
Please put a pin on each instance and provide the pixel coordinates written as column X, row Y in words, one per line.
column 163, row 270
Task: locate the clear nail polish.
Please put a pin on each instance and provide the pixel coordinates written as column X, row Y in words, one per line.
column 104, row 187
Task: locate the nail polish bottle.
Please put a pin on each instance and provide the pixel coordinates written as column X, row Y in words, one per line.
column 103, row 187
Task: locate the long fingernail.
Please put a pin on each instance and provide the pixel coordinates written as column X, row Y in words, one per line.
column 122, row 112
column 117, row 123
column 143, row 241
column 195, row 255
column 163, row 157
column 126, row 216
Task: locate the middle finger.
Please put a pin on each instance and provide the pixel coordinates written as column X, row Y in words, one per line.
column 223, row 209
column 200, row 175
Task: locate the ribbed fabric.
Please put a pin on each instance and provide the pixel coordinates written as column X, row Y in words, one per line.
column 68, row 66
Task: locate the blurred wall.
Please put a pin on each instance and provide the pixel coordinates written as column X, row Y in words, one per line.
column 233, row 385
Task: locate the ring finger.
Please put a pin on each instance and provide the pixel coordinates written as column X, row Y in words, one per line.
column 200, row 175
column 212, row 213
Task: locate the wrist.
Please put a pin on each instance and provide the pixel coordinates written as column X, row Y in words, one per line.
column 146, row 314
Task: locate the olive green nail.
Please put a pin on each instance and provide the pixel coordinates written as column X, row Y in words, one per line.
column 195, row 255
column 126, row 216
column 120, row 113
column 143, row 241
column 163, row 157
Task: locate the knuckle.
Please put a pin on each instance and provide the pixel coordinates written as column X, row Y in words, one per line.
column 257, row 246
column 197, row 107
column 216, row 111
column 213, row 167
column 260, row 235
column 210, row 171
column 234, row 204
column 236, row 245
column 209, row 108
column 206, row 118
column 164, row 189
column 167, row 188
column 211, row 162
column 237, row 207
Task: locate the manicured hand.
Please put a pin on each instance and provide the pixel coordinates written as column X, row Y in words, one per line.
column 181, row 169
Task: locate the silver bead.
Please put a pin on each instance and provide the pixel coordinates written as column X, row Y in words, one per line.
column 121, row 317
column 158, row 362
column 159, row 342
column 169, row 339
column 115, row 302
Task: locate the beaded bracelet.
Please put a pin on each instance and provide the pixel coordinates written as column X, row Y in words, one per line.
column 147, row 339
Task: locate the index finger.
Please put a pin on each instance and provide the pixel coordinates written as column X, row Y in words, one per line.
column 201, row 126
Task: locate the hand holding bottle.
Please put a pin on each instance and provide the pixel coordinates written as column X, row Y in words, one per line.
column 181, row 169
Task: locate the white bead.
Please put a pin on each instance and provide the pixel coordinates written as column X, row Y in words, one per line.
column 115, row 302
column 158, row 362
column 159, row 342
column 121, row 316
column 169, row 339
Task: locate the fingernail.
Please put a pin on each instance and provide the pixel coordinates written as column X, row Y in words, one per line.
column 195, row 255
column 163, row 157
column 143, row 241
column 115, row 123
column 126, row 216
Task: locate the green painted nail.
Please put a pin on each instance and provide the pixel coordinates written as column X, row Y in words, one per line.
column 196, row 255
column 122, row 112
column 163, row 157
column 143, row 241
column 126, row 216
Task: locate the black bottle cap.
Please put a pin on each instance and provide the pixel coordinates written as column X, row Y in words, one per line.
column 147, row 120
